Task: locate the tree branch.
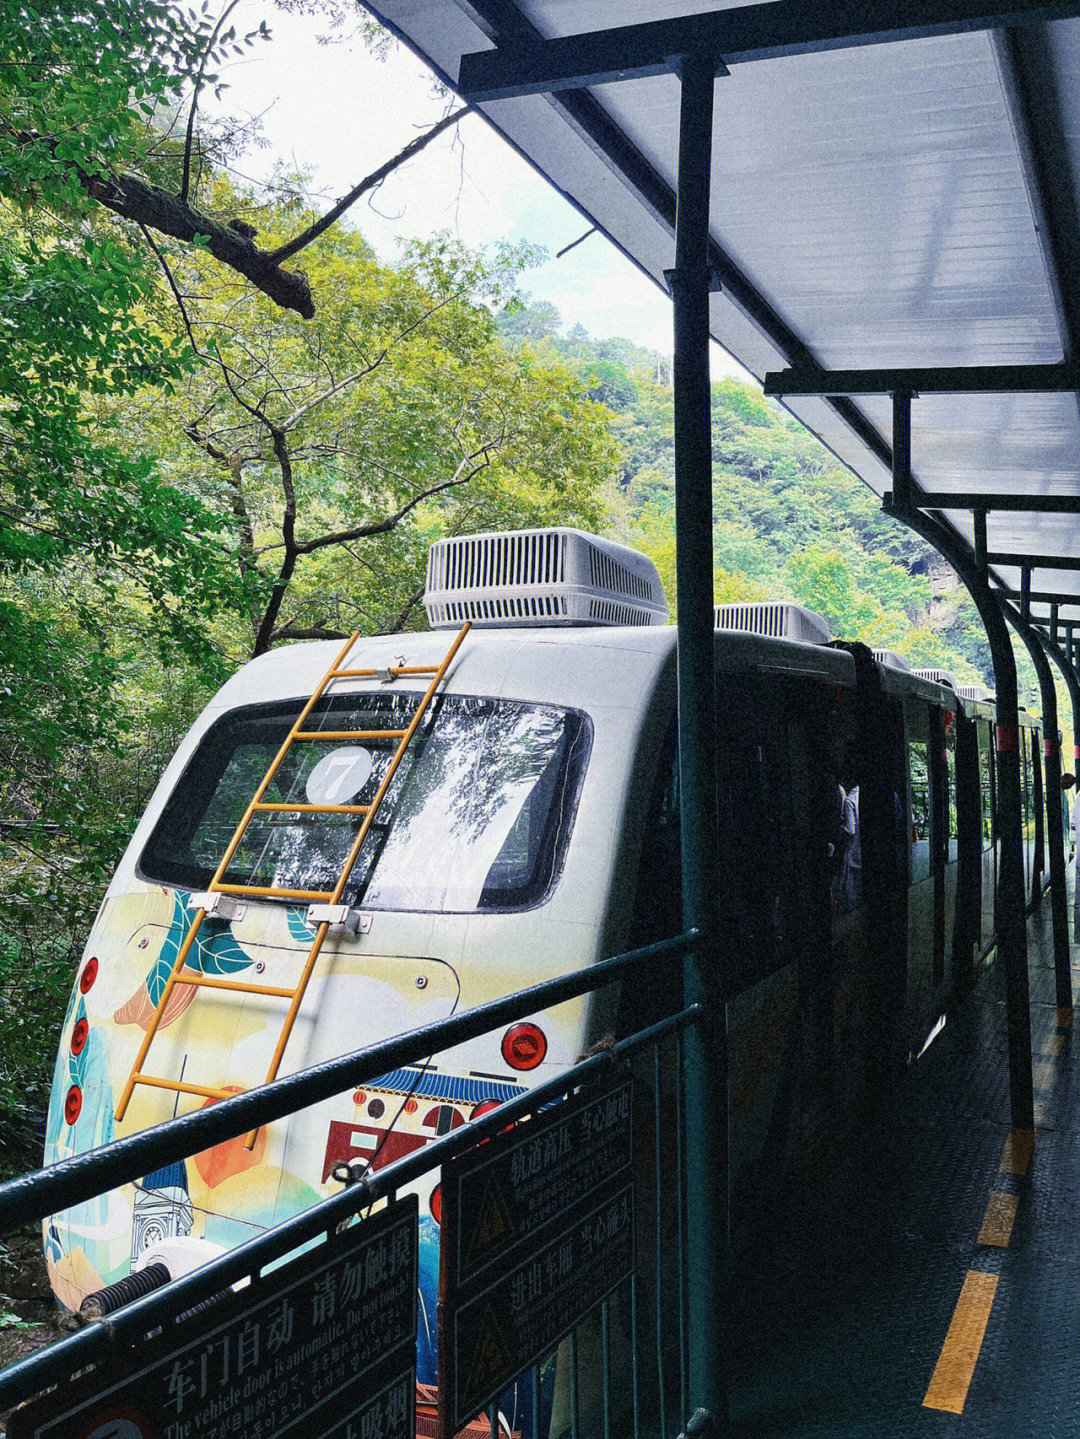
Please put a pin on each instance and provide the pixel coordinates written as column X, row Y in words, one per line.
column 265, row 633
column 291, row 631
column 172, row 286
column 134, row 199
column 290, row 248
column 406, row 610
column 479, row 459
column 189, row 137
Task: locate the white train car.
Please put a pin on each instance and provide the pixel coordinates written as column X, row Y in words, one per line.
column 502, row 854
column 529, row 830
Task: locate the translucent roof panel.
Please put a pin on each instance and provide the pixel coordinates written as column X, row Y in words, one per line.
column 874, row 207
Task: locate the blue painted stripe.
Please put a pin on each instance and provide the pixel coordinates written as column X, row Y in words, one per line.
column 454, row 1087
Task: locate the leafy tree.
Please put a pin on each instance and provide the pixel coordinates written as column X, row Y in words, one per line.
column 99, row 107
column 339, row 448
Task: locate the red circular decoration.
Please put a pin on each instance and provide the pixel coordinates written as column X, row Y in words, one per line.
column 410, row 1106
column 524, row 1046
column 88, row 975
column 79, row 1036
column 484, row 1107
column 73, row 1104
column 358, row 1096
column 435, row 1204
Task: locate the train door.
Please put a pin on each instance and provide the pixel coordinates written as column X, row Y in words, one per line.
column 987, row 848
column 951, row 838
column 969, row 853
column 1025, row 810
column 939, row 825
column 777, row 970
column 921, row 867
column 1039, row 802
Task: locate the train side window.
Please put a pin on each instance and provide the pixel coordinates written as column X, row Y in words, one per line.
column 1029, row 783
column 952, row 853
column 919, row 782
column 986, row 785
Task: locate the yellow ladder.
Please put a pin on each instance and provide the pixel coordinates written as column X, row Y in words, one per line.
column 327, row 898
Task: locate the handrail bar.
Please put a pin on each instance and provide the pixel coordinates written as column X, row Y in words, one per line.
column 85, row 1176
column 37, row 1371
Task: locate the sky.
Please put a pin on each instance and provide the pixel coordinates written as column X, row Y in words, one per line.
column 338, row 112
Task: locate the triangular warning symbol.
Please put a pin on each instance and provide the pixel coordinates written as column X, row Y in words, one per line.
column 491, row 1360
column 492, row 1229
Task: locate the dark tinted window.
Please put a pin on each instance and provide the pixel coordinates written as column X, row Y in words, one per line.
column 477, row 816
column 986, row 784
column 920, row 812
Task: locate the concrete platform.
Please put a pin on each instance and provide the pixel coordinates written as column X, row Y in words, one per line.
column 931, row 1286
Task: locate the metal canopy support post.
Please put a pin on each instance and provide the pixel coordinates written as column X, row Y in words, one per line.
column 706, row 1059
column 901, row 449
column 982, row 560
column 1055, row 830
column 1012, row 924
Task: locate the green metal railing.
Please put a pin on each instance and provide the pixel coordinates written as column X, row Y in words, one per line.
column 659, row 1348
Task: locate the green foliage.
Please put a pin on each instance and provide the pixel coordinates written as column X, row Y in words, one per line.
column 336, row 450
column 789, row 522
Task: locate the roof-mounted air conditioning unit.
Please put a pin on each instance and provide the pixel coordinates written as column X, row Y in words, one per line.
column 973, row 692
column 778, row 619
column 892, row 661
column 540, row 577
column 937, row 677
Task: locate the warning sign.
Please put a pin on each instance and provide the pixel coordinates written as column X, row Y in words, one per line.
column 538, row 1229
column 521, row 1181
column 322, row 1348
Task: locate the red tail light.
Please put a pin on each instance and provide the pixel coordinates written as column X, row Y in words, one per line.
column 435, row 1204
column 524, row 1046
column 73, row 1104
column 484, row 1107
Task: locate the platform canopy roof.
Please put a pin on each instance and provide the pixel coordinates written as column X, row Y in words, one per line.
column 894, row 188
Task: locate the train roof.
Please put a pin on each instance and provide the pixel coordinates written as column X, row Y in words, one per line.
column 572, row 665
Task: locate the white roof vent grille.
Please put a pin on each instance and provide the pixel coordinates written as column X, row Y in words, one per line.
column 973, row 692
column 891, row 660
column 540, row 577
column 937, row 677
column 779, row 619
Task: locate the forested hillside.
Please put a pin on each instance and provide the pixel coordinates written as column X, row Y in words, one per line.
column 790, row 521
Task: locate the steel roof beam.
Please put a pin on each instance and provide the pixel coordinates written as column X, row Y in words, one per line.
column 973, row 500
column 736, row 36
column 1036, row 562
column 1057, row 378
column 1040, row 597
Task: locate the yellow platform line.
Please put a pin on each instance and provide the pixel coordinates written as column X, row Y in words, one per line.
column 1016, row 1156
column 998, row 1221
column 953, row 1372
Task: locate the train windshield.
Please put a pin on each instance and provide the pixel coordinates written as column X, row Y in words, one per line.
column 476, row 818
